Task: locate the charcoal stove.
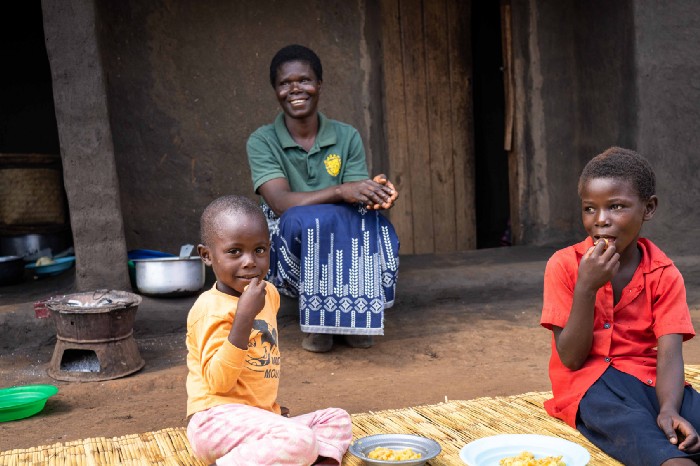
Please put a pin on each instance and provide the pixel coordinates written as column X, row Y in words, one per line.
column 94, row 336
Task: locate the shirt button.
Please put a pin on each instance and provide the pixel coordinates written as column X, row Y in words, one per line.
column 649, row 382
column 607, row 359
column 607, row 325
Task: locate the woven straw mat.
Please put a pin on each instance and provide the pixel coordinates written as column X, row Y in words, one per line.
column 453, row 424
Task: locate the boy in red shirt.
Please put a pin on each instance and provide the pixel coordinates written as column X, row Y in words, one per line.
column 617, row 309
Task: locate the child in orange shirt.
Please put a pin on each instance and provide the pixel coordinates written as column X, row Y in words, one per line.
column 616, row 305
column 234, row 359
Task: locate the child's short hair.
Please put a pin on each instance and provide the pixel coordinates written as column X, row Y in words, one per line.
column 295, row 52
column 230, row 205
column 622, row 164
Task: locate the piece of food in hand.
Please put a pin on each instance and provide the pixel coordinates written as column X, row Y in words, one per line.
column 45, row 260
column 605, row 247
column 526, row 458
column 387, row 454
column 379, row 179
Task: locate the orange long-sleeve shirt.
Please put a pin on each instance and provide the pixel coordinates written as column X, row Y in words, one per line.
column 219, row 372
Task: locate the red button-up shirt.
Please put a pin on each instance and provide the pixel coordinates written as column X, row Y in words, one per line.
column 625, row 335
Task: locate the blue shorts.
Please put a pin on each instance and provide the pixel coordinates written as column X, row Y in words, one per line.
column 618, row 415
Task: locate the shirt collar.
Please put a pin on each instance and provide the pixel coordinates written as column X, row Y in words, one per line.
column 326, row 132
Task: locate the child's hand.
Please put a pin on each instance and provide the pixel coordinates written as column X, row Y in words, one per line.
column 598, row 265
column 679, row 432
column 252, row 299
column 250, row 304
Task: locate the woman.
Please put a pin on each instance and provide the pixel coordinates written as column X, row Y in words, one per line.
column 331, row 247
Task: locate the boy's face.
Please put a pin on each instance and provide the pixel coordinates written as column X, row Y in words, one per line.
column 612, row 209
column 239, row 251
column 297, row 89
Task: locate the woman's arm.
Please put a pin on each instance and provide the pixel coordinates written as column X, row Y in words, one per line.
column 670, row 382
column 575, row 340
column 280, row 197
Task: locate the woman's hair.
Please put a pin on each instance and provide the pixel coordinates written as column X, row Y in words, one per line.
column 295, row 52
column 235, row 206
column 621, row 164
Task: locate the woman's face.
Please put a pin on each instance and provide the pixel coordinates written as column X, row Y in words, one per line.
column 297, row 89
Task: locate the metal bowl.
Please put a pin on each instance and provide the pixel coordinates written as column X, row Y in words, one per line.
column 32, row 245
column 427, row 448
column 169, row 276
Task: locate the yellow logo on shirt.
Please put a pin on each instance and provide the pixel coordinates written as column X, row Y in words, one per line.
column 332, row 164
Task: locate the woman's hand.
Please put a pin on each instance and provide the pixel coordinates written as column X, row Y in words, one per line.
column 382, row 179
column 378, row 193
column 394, row 194
column 372, row 193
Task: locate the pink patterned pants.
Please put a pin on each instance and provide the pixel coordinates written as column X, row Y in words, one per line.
column 242, row 435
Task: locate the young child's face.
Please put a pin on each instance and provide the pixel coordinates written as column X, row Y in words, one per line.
column 239, row 251
column 612, row 209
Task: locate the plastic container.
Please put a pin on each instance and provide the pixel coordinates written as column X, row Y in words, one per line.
column 24, row 401
column 58, row 266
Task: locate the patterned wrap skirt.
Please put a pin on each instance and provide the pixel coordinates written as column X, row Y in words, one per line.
column 340, row 260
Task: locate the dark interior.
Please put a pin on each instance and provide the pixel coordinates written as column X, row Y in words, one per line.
column 27, row 118
column 491, row 161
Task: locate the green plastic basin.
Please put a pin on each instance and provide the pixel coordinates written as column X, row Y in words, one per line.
column 24, row 401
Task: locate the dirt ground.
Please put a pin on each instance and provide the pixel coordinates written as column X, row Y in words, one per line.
column 463, row 327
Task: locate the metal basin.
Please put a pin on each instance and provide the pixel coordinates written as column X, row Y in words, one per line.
column 169, row 276
column 30, row 244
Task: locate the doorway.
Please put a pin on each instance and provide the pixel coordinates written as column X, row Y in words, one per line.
column 33, row 205
column 27, row 117
column 489, row 103
column 428, row 123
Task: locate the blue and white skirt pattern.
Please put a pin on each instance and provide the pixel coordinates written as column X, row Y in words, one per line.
column 340, row 260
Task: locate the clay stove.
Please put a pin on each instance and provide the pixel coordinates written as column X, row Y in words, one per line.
column 94, row 336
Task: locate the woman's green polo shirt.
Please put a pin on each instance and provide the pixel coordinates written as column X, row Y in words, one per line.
column 336, row 157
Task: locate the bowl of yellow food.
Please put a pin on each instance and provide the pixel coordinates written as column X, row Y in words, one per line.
column 399, row 449
column 523, row 450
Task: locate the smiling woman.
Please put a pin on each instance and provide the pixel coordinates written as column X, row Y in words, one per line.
column 331, row 247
